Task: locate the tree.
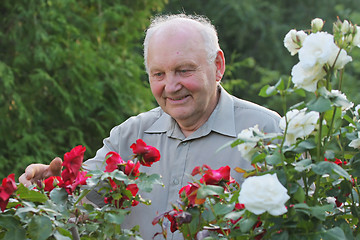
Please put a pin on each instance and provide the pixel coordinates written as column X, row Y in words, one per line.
column 70, row 70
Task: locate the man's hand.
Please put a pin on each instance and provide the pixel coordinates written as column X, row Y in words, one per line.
column 37, row 171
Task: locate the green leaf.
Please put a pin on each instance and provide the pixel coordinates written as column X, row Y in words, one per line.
column 84, row 192
column 303, row 165
column 267, row 91
column 146, row 182
column 340, row 171
column 349, row 119
column 234, row 215
column 299, row 195
column 329, row 167
column 40, row 227
column 273, row 159
column 307, row 144
column 115, row 218
column 13, row 226
column 302, row 207
column 116, row 174
column 320, row 211
column 322, row 167
column 258, row 157
column 62, row 234
column 320, row 104
column 280, row 85
column 30, row 195
column 335, row 233
column 59, row 195
column 209, row 190
column 221, row 208
column 247, row 223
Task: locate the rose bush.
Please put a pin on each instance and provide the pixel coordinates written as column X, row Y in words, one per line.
column 54, row 208
column 304, row 184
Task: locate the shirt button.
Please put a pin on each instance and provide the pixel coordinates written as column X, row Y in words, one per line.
column 175, row 181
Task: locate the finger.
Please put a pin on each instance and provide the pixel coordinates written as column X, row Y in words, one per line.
column 35, row 171
column 54, row 168
column 24, row 181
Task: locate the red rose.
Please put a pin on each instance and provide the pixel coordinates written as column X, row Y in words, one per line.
column 177, row 217
column 79, row 180
column 73, row 159
column 51, row 182
column 213, row 177
column 70, row 181
column 67, row 177
column 132, row 168
column 189, row 192
column 7, row 188
column 113, row 159
column 146, row 154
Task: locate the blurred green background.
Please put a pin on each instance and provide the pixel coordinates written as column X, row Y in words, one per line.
column 70, row 70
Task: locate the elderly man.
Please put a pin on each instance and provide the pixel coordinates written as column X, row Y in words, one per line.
column 196, row 115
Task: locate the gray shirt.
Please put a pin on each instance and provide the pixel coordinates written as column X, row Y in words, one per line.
column 180, row 154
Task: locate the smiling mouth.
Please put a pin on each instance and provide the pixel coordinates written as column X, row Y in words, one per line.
column 177, row 99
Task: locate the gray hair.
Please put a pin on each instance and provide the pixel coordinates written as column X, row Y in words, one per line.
column 206, row 29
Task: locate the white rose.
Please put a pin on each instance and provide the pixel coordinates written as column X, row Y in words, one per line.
column 317, row 49
column 307, row 78
column 317, row 24
column 341, row 59
column 247, row 149
column 293, row 41
column 356, row 142
column 264, row 193
column 340, row 100
column 300, row 124
column 356, row 40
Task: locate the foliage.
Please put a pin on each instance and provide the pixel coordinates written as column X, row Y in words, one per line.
column 67, row 74
column 305, row 181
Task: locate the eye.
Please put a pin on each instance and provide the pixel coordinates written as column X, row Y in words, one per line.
column 158, row 75
column 185, row 72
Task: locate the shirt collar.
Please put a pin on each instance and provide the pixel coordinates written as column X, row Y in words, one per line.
column 221, row 120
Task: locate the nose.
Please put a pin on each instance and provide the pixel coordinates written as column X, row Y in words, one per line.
column 172, row 84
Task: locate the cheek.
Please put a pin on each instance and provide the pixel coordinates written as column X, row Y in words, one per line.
column 156, row 89
column 193, row 84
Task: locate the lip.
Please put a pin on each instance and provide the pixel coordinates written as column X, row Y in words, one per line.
column 177, row 100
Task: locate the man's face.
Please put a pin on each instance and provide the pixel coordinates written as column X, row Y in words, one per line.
column 181, row 78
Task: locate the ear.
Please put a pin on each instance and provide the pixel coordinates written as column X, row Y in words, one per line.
column 220, row 65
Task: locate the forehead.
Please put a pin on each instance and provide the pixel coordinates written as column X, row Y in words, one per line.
column 178, row 43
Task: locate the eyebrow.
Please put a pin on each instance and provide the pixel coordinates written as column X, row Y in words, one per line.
column 186, row 65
